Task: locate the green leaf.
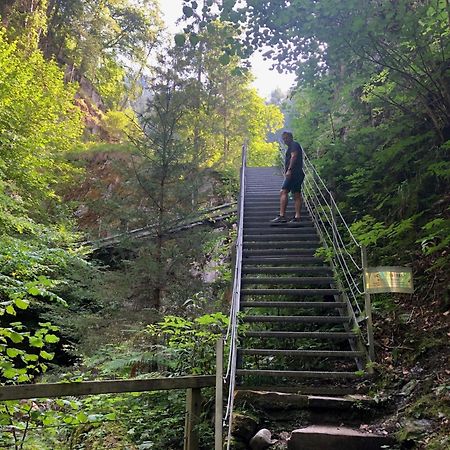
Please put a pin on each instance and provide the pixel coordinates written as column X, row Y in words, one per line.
column 82, row 417
column 33, row 290
column 10, row 373
column 46, row 355
column 51, row 338
column 188, row 11
column 10, row 310
column 180, row 39
column 23, row 378
column 13, row 352
column 15, row 337
column 36, row 342
column 50, row 420
column 21, row 303
column 194, row 39
column 224, row 59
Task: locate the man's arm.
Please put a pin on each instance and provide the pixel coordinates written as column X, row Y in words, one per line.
column 294, row 156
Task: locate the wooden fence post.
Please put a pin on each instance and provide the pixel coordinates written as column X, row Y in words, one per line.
column 193, row 411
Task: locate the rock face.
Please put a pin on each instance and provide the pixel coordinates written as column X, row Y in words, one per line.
column 335, row 438
column 262, row 440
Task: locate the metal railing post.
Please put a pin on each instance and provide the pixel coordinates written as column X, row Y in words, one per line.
column 218, row 420
column 333, row 221
column 367, row 306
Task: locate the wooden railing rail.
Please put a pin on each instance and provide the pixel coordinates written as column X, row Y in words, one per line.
column 49, row 390
column 193, row 385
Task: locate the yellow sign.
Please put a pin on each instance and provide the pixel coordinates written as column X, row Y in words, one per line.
column 388, row 279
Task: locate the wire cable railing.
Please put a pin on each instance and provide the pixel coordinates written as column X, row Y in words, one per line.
column 346, row 254
column 336, row 236
column 232, row 332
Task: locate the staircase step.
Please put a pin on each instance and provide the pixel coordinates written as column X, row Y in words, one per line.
column 258, row 214
column 266, row 260
column 296, row 374
column 337, row 335
column 304, row 389
column 267, row 230
column 296, row 319
column 285, row 270
column 303, row 305
column 265, row 243
column 321, row 292
column 287, row 280
column 300, row 233
column 279, row 251
column 264, row 223
column 274, row 235
column 308, row 353
column 271, row 209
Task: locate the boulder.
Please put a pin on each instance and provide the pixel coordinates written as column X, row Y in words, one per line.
column 262, row 440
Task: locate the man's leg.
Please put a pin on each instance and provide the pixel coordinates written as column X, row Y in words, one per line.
column 298, row 204
column 283, row 201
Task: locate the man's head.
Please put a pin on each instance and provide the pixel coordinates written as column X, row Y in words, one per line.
column 287, row 137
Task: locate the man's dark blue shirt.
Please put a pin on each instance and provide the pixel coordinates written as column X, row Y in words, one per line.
column 297, row 170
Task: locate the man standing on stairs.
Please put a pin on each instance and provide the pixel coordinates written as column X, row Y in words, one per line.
column 293, row 178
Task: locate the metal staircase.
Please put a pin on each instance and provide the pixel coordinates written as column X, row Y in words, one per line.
column 296, row 325
column 300, row 318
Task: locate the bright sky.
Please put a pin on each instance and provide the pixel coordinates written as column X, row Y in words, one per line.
column 266, row 80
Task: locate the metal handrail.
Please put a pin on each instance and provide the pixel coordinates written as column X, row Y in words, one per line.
column 347, row 254
column 173, row 226
column 231, row 336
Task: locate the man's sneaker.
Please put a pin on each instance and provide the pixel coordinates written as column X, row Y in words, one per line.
column 279, row 219
column 295, row 220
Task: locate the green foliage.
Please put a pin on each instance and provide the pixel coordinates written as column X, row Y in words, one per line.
column 192, row 341
column 38, row 122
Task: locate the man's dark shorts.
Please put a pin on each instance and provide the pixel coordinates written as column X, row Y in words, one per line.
column 293, row 184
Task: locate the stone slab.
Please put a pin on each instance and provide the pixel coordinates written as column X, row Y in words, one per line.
column 282, row 400
column 317, row 437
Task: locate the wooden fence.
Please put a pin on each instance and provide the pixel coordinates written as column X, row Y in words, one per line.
column 193, row 385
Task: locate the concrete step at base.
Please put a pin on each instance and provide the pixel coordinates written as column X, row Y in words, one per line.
column 303, row 388
column 325, row 437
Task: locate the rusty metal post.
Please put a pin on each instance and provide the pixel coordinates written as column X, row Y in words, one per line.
column 368, row 307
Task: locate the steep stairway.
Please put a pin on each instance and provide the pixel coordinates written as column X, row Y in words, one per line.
column 295, row 325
